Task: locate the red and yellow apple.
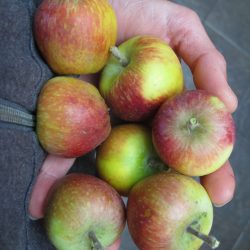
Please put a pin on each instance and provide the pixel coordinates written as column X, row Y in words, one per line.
column 127, row 156
column 84, row 211
column 72, row 117
column 194, row 133
column 142, row 73
column 75, row 36
column 167, row 210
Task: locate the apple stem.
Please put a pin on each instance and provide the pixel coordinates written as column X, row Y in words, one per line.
column 192, row 124
column 117, row 54
column 208, row 239
column 96, row 245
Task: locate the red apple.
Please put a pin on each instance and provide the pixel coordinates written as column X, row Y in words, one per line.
column 72, row 117
column 127, row 156
column 84, row 211
column 194, row 133
column 168, row 211
column 142, row 73
column 75, row 36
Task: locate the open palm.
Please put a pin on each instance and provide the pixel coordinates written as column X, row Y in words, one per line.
column 181, row 28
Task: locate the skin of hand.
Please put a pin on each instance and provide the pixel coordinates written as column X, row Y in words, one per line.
column 182, row 29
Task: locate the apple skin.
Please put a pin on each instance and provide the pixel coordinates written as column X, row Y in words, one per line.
column 127, row 156
column 153, row 74
column 72, row 117
column 74, row 37
column 162, row 206
column 81, row 203
column 199, row 151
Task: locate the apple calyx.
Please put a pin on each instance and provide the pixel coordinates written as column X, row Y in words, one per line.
column 96, row 245
column 210, row 240
column 118, row 55
column 192, row 124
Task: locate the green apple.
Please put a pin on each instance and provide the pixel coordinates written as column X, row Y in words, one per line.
column 142, row 73
column 170, row 211
column 84, row 212
column 127, row 156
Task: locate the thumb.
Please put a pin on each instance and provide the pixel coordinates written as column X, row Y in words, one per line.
column 53, row 168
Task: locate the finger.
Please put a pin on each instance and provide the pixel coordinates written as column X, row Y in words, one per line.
column 115, row 245
column 140, row 17
column 53, row 169
column 220, row 185
column 191, row 42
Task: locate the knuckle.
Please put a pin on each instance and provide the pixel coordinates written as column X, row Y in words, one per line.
column 192, row 16
column 220, row 58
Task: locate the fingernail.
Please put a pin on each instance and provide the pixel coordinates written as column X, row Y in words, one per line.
column 32, row 218
column 219, row 205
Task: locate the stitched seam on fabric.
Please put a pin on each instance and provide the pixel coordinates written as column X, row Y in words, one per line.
column 30, row 6
column 33, row 54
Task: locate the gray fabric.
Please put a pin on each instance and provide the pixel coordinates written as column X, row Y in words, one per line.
column 23, row 73
column 22, row 70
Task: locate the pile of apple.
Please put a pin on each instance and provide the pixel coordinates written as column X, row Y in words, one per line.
column 165, row 136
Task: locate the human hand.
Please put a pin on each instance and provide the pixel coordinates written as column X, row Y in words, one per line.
column 181, row 28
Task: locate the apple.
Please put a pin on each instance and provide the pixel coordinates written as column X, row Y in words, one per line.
column 127, row 156
column 84, row 212
column 74, row 37
column 140, row 74
column 72, row 117
column 194, row 133
column 170, row 211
